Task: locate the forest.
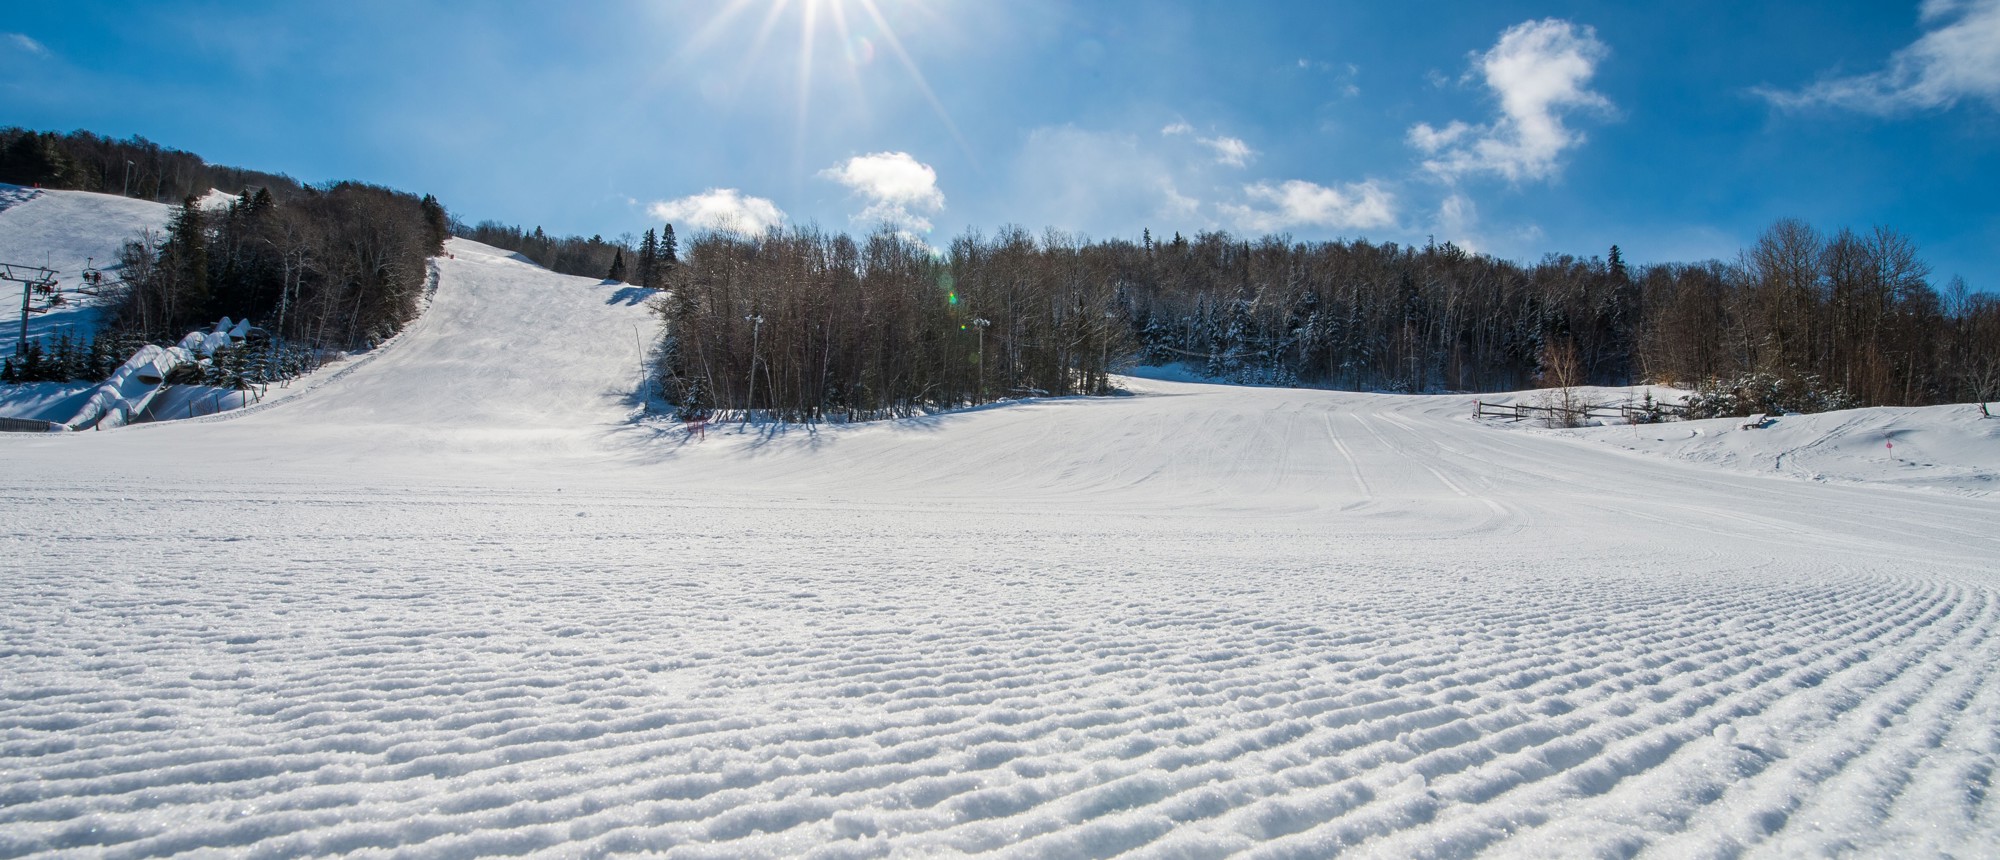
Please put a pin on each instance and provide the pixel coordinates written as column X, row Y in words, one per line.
column 340, row 266
column 804, row 325
column 134, row 167
column 642, row 262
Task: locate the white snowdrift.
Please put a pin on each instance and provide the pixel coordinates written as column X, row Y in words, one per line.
column 131, row 387
column 1950, row 448
column 1945, row 448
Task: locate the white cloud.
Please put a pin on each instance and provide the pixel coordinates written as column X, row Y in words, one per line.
column 1539, row 70
column 1297, row 203
column 1228, row 150
column 1430, row 140
column 724, row 209
column 1177, row 127
column 28, row 44
column 1457, row 223
column 896, row 185
column 1959, row 59
column 1456, row 217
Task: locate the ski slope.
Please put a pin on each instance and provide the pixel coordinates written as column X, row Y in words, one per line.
column 66, row 231
column 453, row 601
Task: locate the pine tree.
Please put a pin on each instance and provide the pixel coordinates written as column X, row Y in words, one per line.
column 184, row 265
column 66, row 358
column 669, row 257
column 617, row 272
column 35, row 159
column 437, row 225
column 649, row 259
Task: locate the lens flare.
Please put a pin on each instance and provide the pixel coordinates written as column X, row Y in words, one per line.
column 860, row 51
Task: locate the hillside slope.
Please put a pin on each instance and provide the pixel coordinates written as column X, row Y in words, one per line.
column 66, row 230
column 452, row 601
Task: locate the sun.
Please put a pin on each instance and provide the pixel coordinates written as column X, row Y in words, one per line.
column 860, row 31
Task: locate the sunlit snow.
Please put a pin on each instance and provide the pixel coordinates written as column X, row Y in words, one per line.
column 455, row 598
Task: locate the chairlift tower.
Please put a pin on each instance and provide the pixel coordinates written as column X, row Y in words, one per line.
column 41, row 292
column 34, row 281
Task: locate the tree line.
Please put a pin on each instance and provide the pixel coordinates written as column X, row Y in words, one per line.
column 644, row 262
column 342, row 266
column 330, row 267
column 806, row 326
column 134, row 167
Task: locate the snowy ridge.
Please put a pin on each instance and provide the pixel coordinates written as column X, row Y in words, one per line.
column 453, row 602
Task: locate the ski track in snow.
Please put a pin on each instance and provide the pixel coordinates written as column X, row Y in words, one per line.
column 455, row 603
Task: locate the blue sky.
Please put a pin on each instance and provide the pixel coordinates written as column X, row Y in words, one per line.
column 1677, row 132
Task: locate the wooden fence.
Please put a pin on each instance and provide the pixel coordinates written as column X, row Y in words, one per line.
column 1630, row 413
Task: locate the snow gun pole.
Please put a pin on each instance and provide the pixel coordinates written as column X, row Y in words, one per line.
column 756, row 322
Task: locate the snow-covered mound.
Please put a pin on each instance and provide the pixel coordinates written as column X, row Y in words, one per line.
column 1952, row 448
column 1946, row 448
column 450, row 601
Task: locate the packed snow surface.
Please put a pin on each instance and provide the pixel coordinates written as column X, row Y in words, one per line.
column 454, row 601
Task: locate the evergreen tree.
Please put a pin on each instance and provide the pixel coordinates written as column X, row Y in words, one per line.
column 36, row 159
column 669, row 256
column 437, row 225
column 649, row 259
column 184, row 265
column 617, row 272
column 26, row 365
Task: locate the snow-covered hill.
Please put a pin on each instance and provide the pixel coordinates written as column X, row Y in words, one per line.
column 65, row 231
column 454, row 601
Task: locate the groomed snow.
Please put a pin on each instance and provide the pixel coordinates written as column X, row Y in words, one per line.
column 452, row 601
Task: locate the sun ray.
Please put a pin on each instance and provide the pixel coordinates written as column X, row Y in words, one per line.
column 853, row 65
column 923, row 85
column 712, row 30
column 856, row 51
column 807, row 35
column 756, row 50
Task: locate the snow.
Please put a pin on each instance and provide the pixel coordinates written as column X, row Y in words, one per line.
column 457, row 599
column 1950, row 449
column 216, row 200
column 65, row 231
column 1942, row 448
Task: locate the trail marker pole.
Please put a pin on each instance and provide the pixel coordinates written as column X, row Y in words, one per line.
column 756, row 328
column 981, row 323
